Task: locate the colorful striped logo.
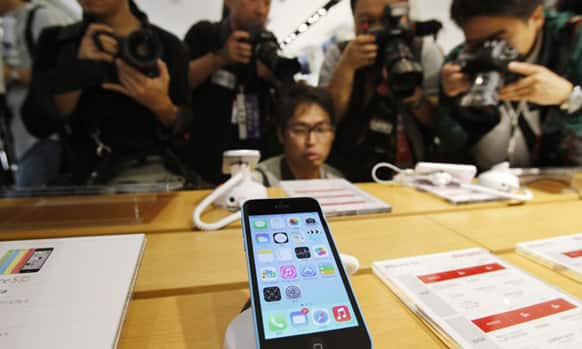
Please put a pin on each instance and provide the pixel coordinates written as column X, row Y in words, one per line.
column 14, row 260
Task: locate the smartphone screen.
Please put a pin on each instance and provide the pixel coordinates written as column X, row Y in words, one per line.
column 301, row 289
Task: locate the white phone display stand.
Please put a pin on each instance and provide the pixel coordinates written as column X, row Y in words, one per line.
column 499, row 181
column 240, row 333
column 238, row 189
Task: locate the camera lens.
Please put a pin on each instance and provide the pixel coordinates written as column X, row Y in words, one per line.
column 143, row 46
column 405, row 76
column 485, row 91
column 267, row 51
column 404, row 72
column 141, row 49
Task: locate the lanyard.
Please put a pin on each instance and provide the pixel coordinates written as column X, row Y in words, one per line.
column 240, row 114
column 514, row 115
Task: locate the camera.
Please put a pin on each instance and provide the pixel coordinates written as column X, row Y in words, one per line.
column 266, row 49
column 141, row 49
column 487, row 65
column 395, row 39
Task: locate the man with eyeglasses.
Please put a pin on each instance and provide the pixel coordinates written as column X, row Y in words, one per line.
column 306, row 131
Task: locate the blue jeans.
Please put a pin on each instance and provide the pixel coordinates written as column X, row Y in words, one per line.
column 40, row 164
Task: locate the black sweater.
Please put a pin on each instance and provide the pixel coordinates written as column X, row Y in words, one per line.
column 128, row 128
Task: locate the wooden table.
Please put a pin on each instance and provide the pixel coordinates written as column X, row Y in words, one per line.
column 500, row 229
column 181, row 321
column 195, row 262
column 191, row 283
column 406, row 201
column 545, row 274
column 172, row 212
column 200, row 321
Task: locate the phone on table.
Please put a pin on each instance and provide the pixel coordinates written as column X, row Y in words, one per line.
column 300, row 293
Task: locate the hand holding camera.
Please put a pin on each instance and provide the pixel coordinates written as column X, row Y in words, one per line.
column 453, row 80
column 265, row 50
column 90, row 50
column 237, row 49
column 153, row 93
column 497, row 74
column 264, row 72
column 361, row 52
column 487, row 67
column 539, row 85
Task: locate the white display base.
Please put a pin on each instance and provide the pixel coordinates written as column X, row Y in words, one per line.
column 240, row 333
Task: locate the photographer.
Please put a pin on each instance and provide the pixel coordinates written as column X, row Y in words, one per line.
column 376, row 122
column 115, row 86
column 527, row 108
column 306, row 130
column 22, row 22
column 231, row 88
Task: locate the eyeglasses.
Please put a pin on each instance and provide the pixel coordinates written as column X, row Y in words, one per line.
column 321, row 130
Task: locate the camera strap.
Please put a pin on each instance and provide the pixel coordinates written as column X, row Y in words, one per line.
column 239, row 115
column 102, row 148
column 403, row 148
column 245, row 114
column 514, row 115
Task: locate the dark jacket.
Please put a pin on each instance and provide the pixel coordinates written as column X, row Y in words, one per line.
column 561, row 140
column 368, row 133
column 212, row 105
column 128, row 128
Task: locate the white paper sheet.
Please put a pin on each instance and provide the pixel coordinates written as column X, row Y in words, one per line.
column 563, row 254
column 73, row 297
column 473, row 299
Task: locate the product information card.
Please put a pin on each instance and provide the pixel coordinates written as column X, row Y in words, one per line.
column 563, row 254
column 475, row 300
column 337, row 197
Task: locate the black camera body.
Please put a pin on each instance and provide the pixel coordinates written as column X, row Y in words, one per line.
column 266, row 49
column 141, row 49
column 487, row 66
column 395, row 40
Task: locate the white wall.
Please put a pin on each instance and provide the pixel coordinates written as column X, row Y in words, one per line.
column 451, row 35
column 177, row 16
column 286, row 14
